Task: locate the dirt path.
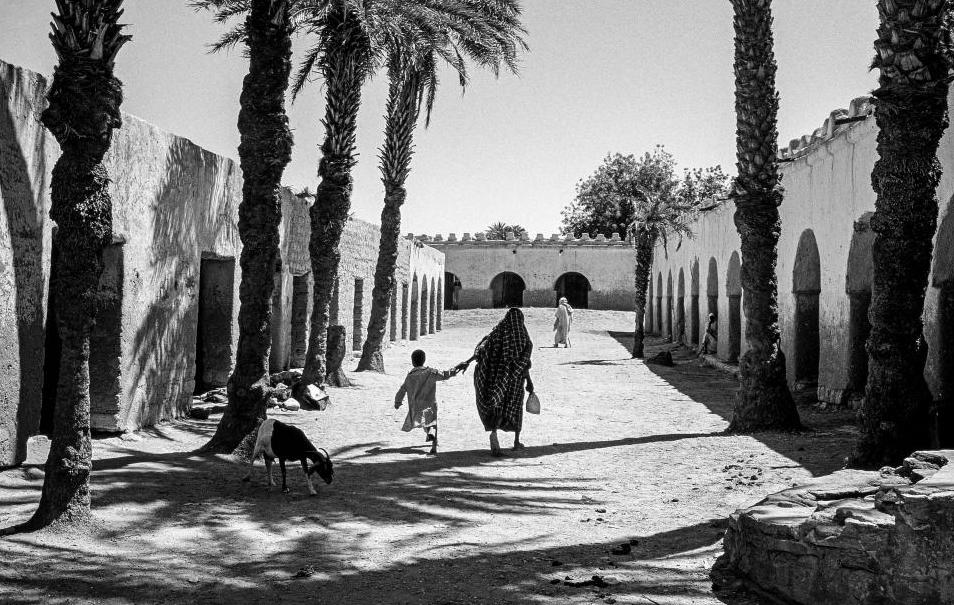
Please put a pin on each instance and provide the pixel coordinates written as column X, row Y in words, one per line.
column 623, row 452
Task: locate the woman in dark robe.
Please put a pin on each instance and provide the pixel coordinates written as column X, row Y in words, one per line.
column 503, row 368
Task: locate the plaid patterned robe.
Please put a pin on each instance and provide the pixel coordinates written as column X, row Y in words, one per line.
column 503, row 363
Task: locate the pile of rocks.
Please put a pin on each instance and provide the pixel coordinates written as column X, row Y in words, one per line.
column 852, row 537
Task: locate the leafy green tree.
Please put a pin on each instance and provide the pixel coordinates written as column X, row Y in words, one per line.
column 500, row 229
column 264, row 151
column 605, row 202
column 642, row 197
column 487, row 33
column 764, row 400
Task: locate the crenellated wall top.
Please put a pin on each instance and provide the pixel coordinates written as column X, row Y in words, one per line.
column 555, row 240
column 839, row 120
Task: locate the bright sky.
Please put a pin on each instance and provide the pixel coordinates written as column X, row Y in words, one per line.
column 601, row 76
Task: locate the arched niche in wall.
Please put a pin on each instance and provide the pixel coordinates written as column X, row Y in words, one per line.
column 712, row 288
column 694, row 302
column 733, row 290
column 507, row 288
column 415, row 309
column 452, row 288
column 680, row 311
column 669, row 327
column 575, row 287
column 425, row 303
column 806, row 286
column 858, row 286
column 648, row 323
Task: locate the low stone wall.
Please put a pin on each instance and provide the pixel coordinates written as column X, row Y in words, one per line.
column 851, row 538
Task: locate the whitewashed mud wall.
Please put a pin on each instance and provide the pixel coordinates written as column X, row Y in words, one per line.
column 828, row 200
column 174, row 259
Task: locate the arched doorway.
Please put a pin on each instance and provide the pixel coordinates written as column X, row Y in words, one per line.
column 439, row 307
column 733, row 290
column 712, row 297
column 415, row 309
column 681, row 308
column 394, row 316
column 648, row 323
column 858, row 286
column 431, row 313
column 424, row 306
column 806, row 286
column 507, row 290
column 660, row 325
column 670, row 336
column 405, row 308
column 452, row 288
column 575, row 287
column 694, row 303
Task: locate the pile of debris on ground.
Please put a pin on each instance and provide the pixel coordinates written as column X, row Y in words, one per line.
column 288, row 393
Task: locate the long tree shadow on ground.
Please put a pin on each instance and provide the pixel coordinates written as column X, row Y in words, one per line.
column 661, row 566
column 821, row 449
column 186, row 489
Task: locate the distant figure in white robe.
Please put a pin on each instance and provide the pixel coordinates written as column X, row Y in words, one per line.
column 562, row 323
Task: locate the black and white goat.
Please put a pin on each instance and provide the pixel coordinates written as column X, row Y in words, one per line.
column 285, row 442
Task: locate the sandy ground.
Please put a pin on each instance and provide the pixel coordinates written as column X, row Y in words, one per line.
column 623, row 452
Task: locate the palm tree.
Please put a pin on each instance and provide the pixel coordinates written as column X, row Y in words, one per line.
column 345, row 54
column 914, row 58
column 264, row 151
column 660, row 216
column 489, row 34
column 763, row 400
column 352, row 40
column 500, row 229
column 83, row 111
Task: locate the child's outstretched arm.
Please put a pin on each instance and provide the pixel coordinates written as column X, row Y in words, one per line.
column 399, row 397
column 445, row 374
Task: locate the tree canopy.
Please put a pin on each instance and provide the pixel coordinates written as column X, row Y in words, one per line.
column 627, row 189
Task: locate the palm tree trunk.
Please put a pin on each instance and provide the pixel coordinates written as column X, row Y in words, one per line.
column 264, row 150
column 764, row 400
column 911, row 112
column 83, row 111
column 371, row 353
column 644, row 241
column 344, row 73
column 402, row 114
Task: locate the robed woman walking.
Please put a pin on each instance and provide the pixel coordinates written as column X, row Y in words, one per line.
column 503, row 370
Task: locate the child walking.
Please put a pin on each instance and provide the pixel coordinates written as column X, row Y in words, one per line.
column 420, row 386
